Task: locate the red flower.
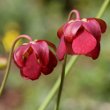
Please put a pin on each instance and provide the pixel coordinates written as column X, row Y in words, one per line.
column 80, row 36
column 34, row 58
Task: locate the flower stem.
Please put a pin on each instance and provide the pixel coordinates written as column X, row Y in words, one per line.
column 9, row 61
column 74, row 12
column 61, row 83
column 64, row 64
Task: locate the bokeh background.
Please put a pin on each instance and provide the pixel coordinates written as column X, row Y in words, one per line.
column 87, row 87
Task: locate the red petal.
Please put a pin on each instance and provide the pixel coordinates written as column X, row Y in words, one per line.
column 60, row 31
column 31, row 70
column 95, row 53
column 50, row 44
column 69, row 47
column 93, row 27
column 83, row 43
column 52, row 63
column 61, row 50
column 102, row 24
column 42, row 50
column 18, row 54
column 71, row 29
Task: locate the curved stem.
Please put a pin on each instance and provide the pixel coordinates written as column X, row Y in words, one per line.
column 61, row 83
column 9, row 61
column 74, row 12
column 64, row 64
column 68, row 67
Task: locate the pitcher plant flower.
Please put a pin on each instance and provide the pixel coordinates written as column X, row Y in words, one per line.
column 80, row 36
column 34, row 58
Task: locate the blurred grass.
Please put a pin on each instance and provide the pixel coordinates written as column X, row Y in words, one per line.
column 87, row 87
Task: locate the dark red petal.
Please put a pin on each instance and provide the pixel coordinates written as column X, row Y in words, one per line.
column 52, row 63
column 69, row 47
column 42, row 51
column 49, row 43
column 61, row 50
column 32, row 68
column 84, row 43
column 18, row 54
column 93, row 27
column 95, row 53
column 102, row 24
column 60, row 31
column 70, row 29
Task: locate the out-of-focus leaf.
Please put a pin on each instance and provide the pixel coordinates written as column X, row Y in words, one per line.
column 9, row 38
column 11, row 32
column 3, row 62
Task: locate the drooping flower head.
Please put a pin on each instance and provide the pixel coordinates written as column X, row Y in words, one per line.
column 34, row 58
column 80, row 36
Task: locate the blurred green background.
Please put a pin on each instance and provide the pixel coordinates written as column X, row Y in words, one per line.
column 87, row 87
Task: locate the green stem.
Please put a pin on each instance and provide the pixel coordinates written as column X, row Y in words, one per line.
column 9, row 62
column 61, row 84
column 69, row 65
column 103, row 8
